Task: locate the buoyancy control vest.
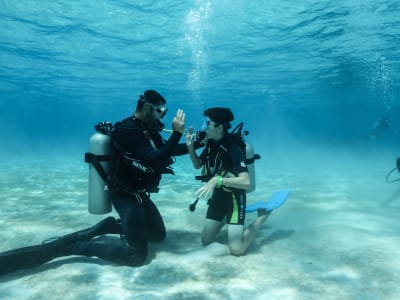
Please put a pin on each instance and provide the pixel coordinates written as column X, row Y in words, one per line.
column 112, row 169
column 129, row 173
column 236, row 136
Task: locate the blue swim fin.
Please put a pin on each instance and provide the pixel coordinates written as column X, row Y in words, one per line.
column 277, row 199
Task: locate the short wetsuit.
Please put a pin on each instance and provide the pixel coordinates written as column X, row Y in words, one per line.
column 220, row 159
column 229, row 203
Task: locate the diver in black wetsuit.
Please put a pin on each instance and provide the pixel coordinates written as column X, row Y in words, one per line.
column 137, row 137
column 226, row 177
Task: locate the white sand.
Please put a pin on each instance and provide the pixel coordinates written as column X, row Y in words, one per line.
column 337, row 237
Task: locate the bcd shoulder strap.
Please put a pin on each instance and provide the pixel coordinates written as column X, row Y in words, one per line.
column 95, row 160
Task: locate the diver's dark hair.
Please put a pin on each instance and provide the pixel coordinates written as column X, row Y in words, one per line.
column 220, row 115
column 150, row 96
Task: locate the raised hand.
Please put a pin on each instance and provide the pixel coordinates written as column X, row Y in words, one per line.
column 178, row 122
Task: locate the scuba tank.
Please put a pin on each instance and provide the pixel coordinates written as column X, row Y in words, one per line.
column 99, row 196
column 250, row 157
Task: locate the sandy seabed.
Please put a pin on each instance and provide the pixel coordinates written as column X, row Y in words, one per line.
column 337, row 237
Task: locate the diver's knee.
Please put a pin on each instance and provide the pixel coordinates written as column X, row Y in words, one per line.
column 131, row 254
column 206, row 240
column 236, row 250
column 161, row 236
column 135, row 257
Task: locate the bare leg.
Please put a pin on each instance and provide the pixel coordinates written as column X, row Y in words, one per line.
column 239, row 239
column 210, row 231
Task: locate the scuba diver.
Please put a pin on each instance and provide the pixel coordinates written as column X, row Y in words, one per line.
column 139, row 158
column 226, row 177
column 383, row 124
column 390, row 177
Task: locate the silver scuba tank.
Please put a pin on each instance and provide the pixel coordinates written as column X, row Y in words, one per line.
column 250, row 168
column 99, row 201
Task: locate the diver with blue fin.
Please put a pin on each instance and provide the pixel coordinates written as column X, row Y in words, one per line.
column 228, row 173
column 127, row 161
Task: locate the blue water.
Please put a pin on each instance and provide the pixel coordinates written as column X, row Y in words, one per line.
column 308, row 78
column 319, row 70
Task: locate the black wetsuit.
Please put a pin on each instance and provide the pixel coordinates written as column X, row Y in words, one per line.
column 225, row 159
column 140, row 219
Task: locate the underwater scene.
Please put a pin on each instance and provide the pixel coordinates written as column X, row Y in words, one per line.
column 316, row 85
